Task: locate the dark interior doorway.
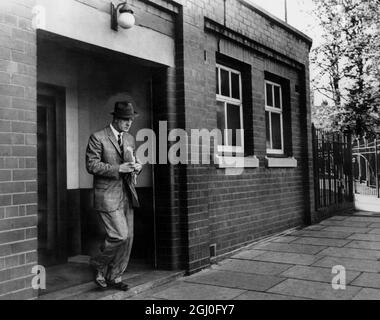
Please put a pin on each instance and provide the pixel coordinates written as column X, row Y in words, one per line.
column 51, row 172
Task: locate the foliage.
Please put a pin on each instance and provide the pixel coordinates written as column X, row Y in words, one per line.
column 347, row 63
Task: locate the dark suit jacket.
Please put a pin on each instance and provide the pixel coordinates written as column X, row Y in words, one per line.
column 103, row 159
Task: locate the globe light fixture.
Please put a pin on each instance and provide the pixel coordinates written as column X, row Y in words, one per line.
column 122, row 15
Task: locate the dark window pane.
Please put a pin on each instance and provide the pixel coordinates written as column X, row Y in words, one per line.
column 225, row 78
column 267, row 129
column 269, row 95
column 217, row 80
column 220, row 119
column 276, row 131
column 233, row 123
column 277, row 101
column 235, row 86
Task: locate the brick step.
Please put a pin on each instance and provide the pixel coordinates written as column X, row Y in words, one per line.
column 138, row 282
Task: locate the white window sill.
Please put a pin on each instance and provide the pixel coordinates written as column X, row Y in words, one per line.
column 281, row 162
column 236, row 162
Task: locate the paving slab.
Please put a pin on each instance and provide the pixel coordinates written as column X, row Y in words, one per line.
column 286, row 257
column 313, row 290
column 347, row 229
column 285, row 239
column 368, row 294
column 325, row 242
column 363, row 219
column 365, row 237
column 339, row 223
column 248, row 255
column 361, row 265
column 340, row 218
column 316, row 274
column 351, row 253
column 369, row 245
column 292, row 248
column 374, row 225
column 252, row 295
column 255, row 267
column 315, row 227
column 191, row 291
column 375, row 231
column 236, row 280
column 323, row 234
column 369, row 280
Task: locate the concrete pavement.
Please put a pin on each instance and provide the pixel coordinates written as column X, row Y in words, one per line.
column 295, row 266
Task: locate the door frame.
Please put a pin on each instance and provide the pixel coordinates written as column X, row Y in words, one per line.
column 58, row 95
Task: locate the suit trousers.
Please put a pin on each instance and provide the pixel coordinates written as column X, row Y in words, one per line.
column 116, row 250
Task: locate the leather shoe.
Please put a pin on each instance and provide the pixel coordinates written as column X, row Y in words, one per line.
column 102, row 284
column 119, row 285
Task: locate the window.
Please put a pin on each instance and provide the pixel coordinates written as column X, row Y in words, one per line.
column 229, row 109
column 274, row 118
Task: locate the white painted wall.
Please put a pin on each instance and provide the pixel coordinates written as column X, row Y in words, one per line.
column 78, row 21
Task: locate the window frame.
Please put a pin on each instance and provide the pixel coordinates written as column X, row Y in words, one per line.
column 280, row 111
column 232, row 101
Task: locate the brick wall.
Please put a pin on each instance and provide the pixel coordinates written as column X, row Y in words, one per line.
column 18, row 197
column 231, row 211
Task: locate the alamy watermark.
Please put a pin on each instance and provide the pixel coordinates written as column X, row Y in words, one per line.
column 339, row 280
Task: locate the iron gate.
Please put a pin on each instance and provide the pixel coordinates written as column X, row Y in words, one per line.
column 333, row 179
column 366, row 163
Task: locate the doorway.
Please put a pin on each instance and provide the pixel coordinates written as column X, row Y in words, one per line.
column 51, row 171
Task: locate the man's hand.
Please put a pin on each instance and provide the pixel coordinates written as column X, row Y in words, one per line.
column 127, row 167
column 138, row 167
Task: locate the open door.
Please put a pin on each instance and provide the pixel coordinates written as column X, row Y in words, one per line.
column 51, row 170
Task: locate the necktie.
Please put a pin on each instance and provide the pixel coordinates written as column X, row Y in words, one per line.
column 120, row 142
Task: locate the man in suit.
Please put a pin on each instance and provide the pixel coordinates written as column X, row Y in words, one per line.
column 111, row 159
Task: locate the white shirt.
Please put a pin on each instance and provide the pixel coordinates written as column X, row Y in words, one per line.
column 116, row 133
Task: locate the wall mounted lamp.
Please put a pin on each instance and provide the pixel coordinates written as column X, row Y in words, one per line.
column 122, row 15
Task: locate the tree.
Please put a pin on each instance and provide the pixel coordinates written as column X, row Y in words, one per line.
column 347, row 62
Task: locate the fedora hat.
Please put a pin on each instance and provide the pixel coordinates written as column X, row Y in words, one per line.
column 124, row 110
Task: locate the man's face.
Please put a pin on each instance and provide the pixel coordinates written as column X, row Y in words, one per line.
column 123, row 125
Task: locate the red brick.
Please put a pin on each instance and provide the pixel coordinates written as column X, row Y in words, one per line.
column 5, row 78
column 18, row 272
column 23, row 103
column 11, row 163
column 12, row 90
column 11, row 212
column 24, row 174
column 24, row 81
column 11, row 286
column 11, row 236
column 8, row 66
column 5, row 200
column 12, row 187
column 8, row 19
column 17, row 56
column 24, row 151
column 5, row 53
column 26, row 294
column 18, row 223
column 23, row 127
column 31, row 210
column 5, row 175
column 31, row 257
column 25, row 198
column 5, row 126
column 31, row 139
column 31, row 186
column 23, row 246
column 31, row 233
column 31, row 163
